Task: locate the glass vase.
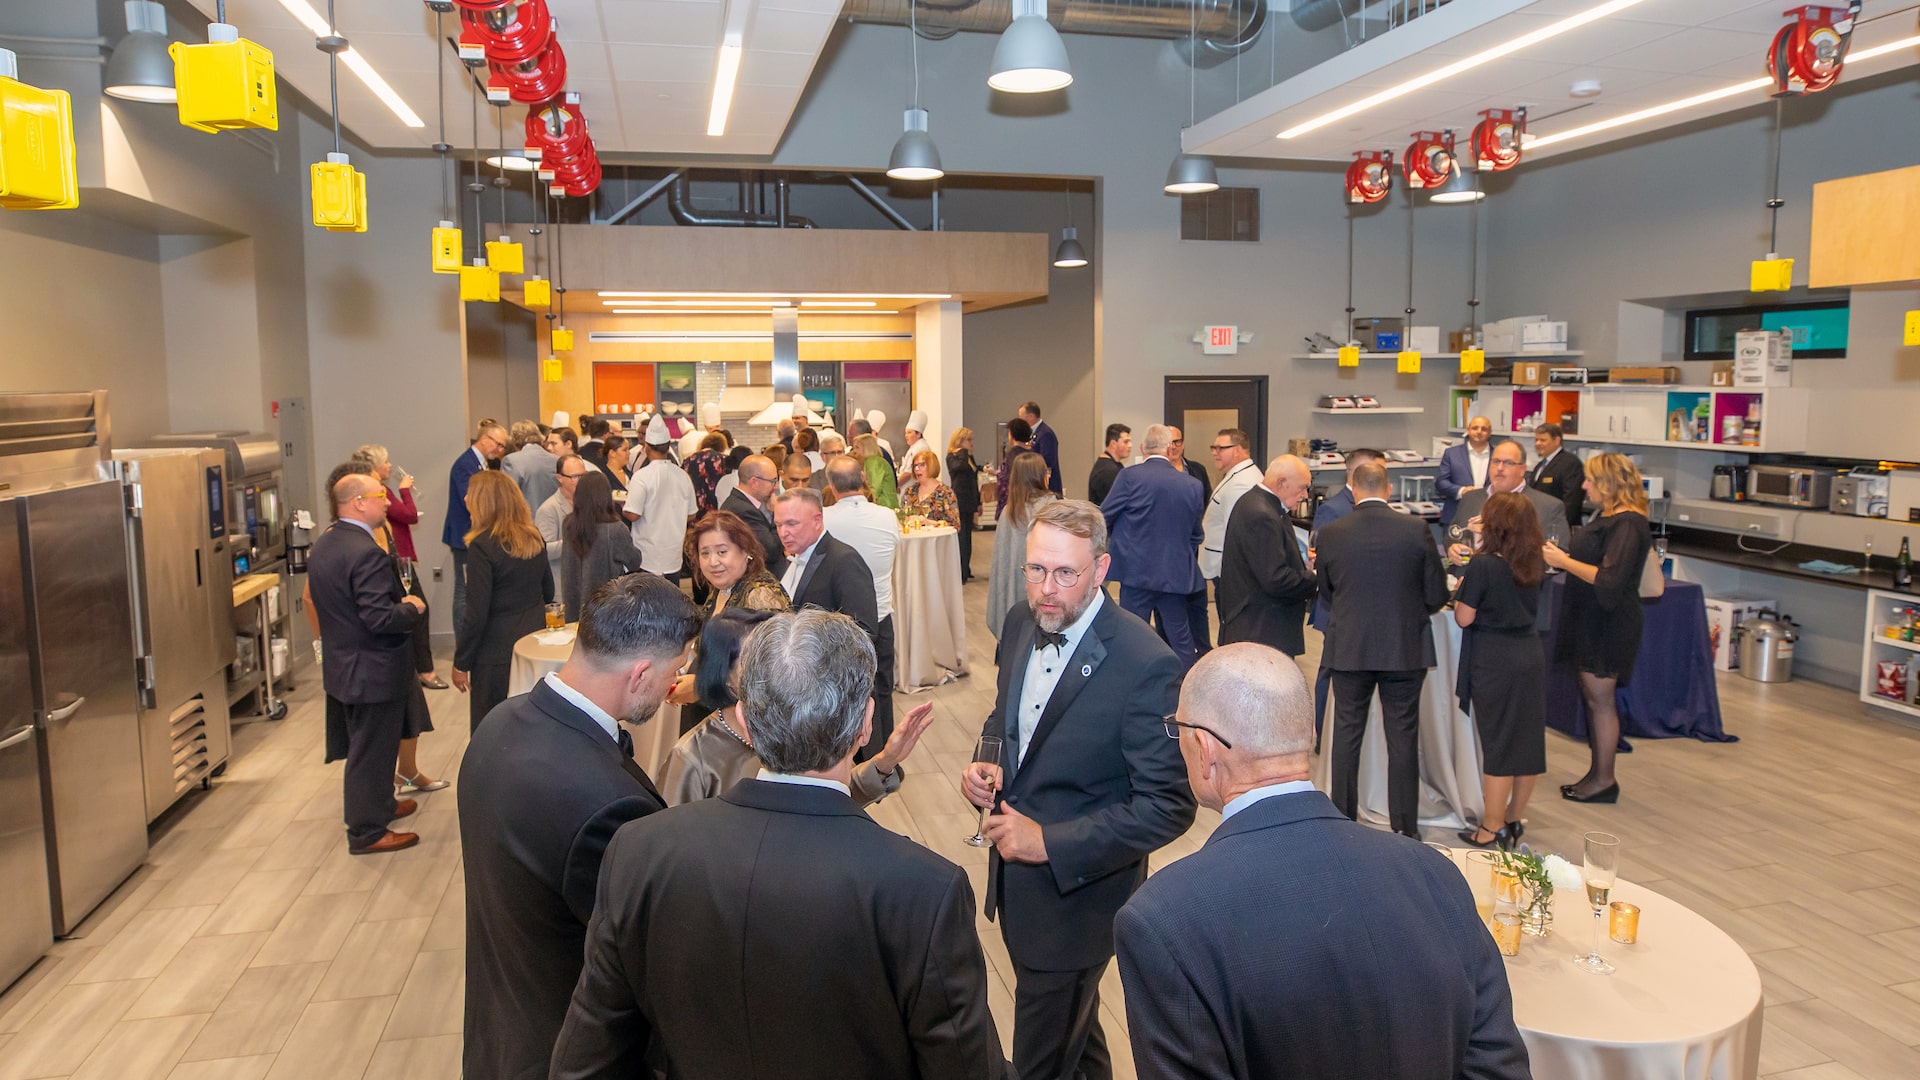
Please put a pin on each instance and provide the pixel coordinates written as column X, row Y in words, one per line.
column 1536, row 917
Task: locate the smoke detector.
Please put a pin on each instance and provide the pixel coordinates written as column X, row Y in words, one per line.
column 1585, row 88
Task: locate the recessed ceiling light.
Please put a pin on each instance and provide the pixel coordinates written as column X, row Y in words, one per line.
column 783, row 295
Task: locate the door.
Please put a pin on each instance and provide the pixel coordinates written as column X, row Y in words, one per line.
column 26, row 925
column 81, row 645
column 1203, row 405
column 893, row 397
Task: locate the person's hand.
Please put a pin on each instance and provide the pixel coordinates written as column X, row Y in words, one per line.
column 1464, row 490
column 1016, row 836
column 683, row 692
column 1458, row 554
column 461, row 680
column 414, row 602
column 906, row 736
column 406, row 482
column 1556, row 558
column 979, row 782
column 1474, row 523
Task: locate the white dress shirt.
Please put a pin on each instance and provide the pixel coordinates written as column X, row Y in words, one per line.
column 662, row 495
column 874, row 532
column 1239, row 480
column 796, row 569
column 772, row 777
column 579, row 701
column 1249, row 797
column 1044, row 669
column 1477, row 462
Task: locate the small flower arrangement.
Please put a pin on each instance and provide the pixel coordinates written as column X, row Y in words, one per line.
column 1539, row 876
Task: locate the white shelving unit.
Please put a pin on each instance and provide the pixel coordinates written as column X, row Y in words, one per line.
column 1385, row 410
column 1444, row 355
column 1883, row 609
column 1632, row 414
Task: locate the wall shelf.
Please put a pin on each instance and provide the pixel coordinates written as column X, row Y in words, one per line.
column 1637, row 414
column 1385, row 410
column 1444, row 355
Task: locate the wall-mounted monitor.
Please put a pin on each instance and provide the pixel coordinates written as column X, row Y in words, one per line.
column 1819, row 329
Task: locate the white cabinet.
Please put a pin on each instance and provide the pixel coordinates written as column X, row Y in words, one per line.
column 1608, row 414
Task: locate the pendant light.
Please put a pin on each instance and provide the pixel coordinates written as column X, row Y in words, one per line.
column 1030, row 58
column 1069, row 255
column 1461, row 187
column 140, row 68
column 914, row 155
column 1191, row 174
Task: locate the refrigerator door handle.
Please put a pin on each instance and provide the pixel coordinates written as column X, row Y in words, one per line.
column 65, row 711
column 16, row 738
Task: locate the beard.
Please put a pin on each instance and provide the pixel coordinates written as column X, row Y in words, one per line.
column 1055, row 621
column 642, row 711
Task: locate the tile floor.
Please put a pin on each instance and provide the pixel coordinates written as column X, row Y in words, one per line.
column 252, row 945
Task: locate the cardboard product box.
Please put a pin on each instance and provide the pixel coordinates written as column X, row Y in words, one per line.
column 1470, row 378
column 1460, row 341
column 1649, row 375
column 1530, row 372
column 1543, row 337
column 1762, row 358
column 1300, row 448
column 1724, row 613
column 1722, row 373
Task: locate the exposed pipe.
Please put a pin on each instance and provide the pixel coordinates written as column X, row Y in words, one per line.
column 680, row 205
column 1313, row 15
column 880, row 204
column 780, row 201
column 1225, row 26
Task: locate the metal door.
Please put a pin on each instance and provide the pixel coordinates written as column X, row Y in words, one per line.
column 173, row 620
column 26, row 918
column 81, row 626
column 894, row 397
column 1202, row 405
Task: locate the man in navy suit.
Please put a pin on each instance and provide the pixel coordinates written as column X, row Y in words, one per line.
column 488, row 444
column 1045, row 443
column 1463, row 468
column 1297, row 943
column 1154, row 516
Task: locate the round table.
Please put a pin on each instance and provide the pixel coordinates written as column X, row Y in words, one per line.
column 1682, row 1003
column 533, row 658
column 929, row 615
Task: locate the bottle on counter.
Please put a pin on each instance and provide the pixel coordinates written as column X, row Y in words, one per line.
column 1903, row 567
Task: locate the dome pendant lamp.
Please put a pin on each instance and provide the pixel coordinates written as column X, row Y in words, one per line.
column 140, row 68
column 914, row 155
column 1461, row 187
column 1030, row 58
column 1191, row 174
column 1070, row 255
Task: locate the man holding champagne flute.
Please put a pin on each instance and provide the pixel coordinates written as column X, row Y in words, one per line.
column 1085, row 785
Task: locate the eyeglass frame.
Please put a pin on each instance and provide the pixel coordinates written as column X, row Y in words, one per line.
column 1054, row 572
column 381, row 494
column 1211, row 449
column 1173, row 727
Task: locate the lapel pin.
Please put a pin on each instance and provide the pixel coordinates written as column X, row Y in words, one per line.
column 1086, row 671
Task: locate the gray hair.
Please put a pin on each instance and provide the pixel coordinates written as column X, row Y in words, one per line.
column 1076, row 516
column 801, row 494
column 833, row 443
column 1253, row 695
column 635, row 617
column 803, row 683
column 1156, row 440
column 372, row 453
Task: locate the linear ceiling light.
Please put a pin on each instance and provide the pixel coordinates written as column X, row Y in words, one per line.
column 727, row 311
column 1545, row 33
column 792, row 295
column 698, row 303
column 356, row 63
column 724, row 77
column 839, row 303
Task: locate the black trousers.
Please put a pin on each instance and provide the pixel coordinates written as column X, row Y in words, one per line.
column 422, row 639
column 1400, row 718
column 882, row 691
column 1321, row 680
column 489, row 688
column 1056, row 1025
column 1197, row 621
column 373, row 749
column 966, row 547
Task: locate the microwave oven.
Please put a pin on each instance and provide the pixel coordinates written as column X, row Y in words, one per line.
column 1790, row 485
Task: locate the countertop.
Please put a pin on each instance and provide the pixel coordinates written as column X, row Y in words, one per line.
column 1724, row 548
column 251, row 586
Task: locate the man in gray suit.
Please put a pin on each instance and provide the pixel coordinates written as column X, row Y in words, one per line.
column 1507, row 472
column 530, row 464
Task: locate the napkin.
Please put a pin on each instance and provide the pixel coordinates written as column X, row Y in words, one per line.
column 1822, row 566
column 562, row 636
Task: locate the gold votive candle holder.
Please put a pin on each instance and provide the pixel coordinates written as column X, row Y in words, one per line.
column 1506, row 932
column 1623, row 922
column 1506, row 886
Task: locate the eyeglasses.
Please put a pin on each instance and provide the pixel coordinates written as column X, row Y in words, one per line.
column 1221, row 449
column 1173, row 730
column 381, row 495
column 1066, row 576
column 1178, row 442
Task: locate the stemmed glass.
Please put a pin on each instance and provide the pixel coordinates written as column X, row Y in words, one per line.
column 406, row 575
column 1602, row 862
column 986, row 750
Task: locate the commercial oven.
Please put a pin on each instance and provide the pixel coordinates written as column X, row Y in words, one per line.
column 255, row 503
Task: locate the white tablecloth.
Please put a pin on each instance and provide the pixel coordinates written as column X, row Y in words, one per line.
column 1449, row 747
column 929, row 617
column 532, row 660
column 1683, row 1002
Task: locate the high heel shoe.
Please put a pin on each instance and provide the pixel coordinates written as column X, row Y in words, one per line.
column 1608, row 794
column 1469, row 837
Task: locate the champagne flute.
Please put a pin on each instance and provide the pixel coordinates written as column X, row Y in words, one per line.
column 986, row 750
column 1601, row 864
column 406, row 575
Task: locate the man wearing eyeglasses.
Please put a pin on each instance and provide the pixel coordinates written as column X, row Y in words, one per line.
column 1087, row 787
column 752, row 501
column 551, row 517
column 489, row 443
column 1233, row 457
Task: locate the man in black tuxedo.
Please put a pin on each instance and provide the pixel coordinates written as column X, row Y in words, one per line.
column 1265, row 583
column 1381, row 576
column 777, row 931
column 1559, row 472
column 1087, row 787
column 544, row 785
column 367, row 621
column 1296, row 943
column 752, row 500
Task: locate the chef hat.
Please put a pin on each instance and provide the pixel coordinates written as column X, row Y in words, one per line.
column 917, row 421
column 800, row 410
column 560, row 419
column 690, row 443
column 657, row 432
column 878, row 419
column 859, row 414
column 710, row 414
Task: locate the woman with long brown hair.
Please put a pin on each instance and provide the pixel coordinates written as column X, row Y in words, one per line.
column 508, row 587
column 1503, row 670
column 1600, row 618
column 597, row 544
column 1026, row 494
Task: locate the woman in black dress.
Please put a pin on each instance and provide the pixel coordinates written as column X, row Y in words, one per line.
column 1504, row 670
column 966, row 491
column 509, row 585
column 1600, row 615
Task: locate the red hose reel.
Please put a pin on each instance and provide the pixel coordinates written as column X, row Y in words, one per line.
column 1808, row 53
column 1370, row 177
column 1496, row 139
column 531, row 82
column 1429, row 161
column 511, row 33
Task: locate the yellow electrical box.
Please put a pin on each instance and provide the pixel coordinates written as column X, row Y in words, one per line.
column 446, row 249
column 563, row 340
column 225, row 85
column 359, row 206
column 550, row 369
column 505, row 256
column 1772, row 275
column 1409, row 362
column 480, row 282
column 1472, row 360
column 1912, row 334
column 36, row 148
column 339, row 195
column 1349, row 356
column 537, row 292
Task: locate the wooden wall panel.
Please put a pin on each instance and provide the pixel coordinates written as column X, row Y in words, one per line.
column 1866, row 229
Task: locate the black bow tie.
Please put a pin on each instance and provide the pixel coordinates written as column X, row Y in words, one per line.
column 1044, row 638
column 625, row 739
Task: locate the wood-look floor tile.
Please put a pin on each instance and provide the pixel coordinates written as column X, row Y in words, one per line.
column 342, row 872
column 411, row 886
column 1844, row 1038
column 245, row 1068
column 313, row 929
column 207, row 878
column 301, row 844
column 58, row 1040
column 333, row 1039
column 434, row 998
column 258, row 1013
column 137, row 1049
column 171, row 849
column 1835, row 982
column 198, row 977
column 31, row 991
column 258, row 902
column 434, row 1058
column 118, row 909
column 375, row 959
column 1830, row 1071
column 449, row 929
column 146, row 946
column 258, row 825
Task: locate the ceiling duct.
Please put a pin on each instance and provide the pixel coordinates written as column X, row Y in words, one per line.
column 1225, row 26
column 680, row 205
column 1312, row 15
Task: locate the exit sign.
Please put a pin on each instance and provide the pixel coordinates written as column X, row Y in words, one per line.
column 1220, row 341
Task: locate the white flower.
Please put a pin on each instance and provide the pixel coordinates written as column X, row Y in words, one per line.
column 1562, row 873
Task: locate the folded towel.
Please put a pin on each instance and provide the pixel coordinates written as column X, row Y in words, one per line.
column 1822, row 566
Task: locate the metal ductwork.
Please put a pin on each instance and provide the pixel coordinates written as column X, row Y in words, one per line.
column 680, row 205
column 1313, row 15
column 1225, row 26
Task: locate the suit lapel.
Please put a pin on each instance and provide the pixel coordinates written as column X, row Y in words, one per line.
column 812, row 568
column 1082, row 666
column 634, row 770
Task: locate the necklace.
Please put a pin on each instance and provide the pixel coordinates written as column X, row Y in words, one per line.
column 729, row 730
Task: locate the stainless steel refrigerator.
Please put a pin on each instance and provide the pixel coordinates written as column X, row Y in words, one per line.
column 26, row 918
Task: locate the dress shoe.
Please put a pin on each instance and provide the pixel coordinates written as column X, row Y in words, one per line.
column 1608, row 794
column 435, row 682
column 403, row 807
column 389, row 841
column 1471, row 838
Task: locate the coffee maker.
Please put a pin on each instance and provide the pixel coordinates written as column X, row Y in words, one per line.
column 1730, row 483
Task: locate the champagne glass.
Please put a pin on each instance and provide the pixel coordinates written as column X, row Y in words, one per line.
column 406, row 575
column 986, row 750
column 1602, row 862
